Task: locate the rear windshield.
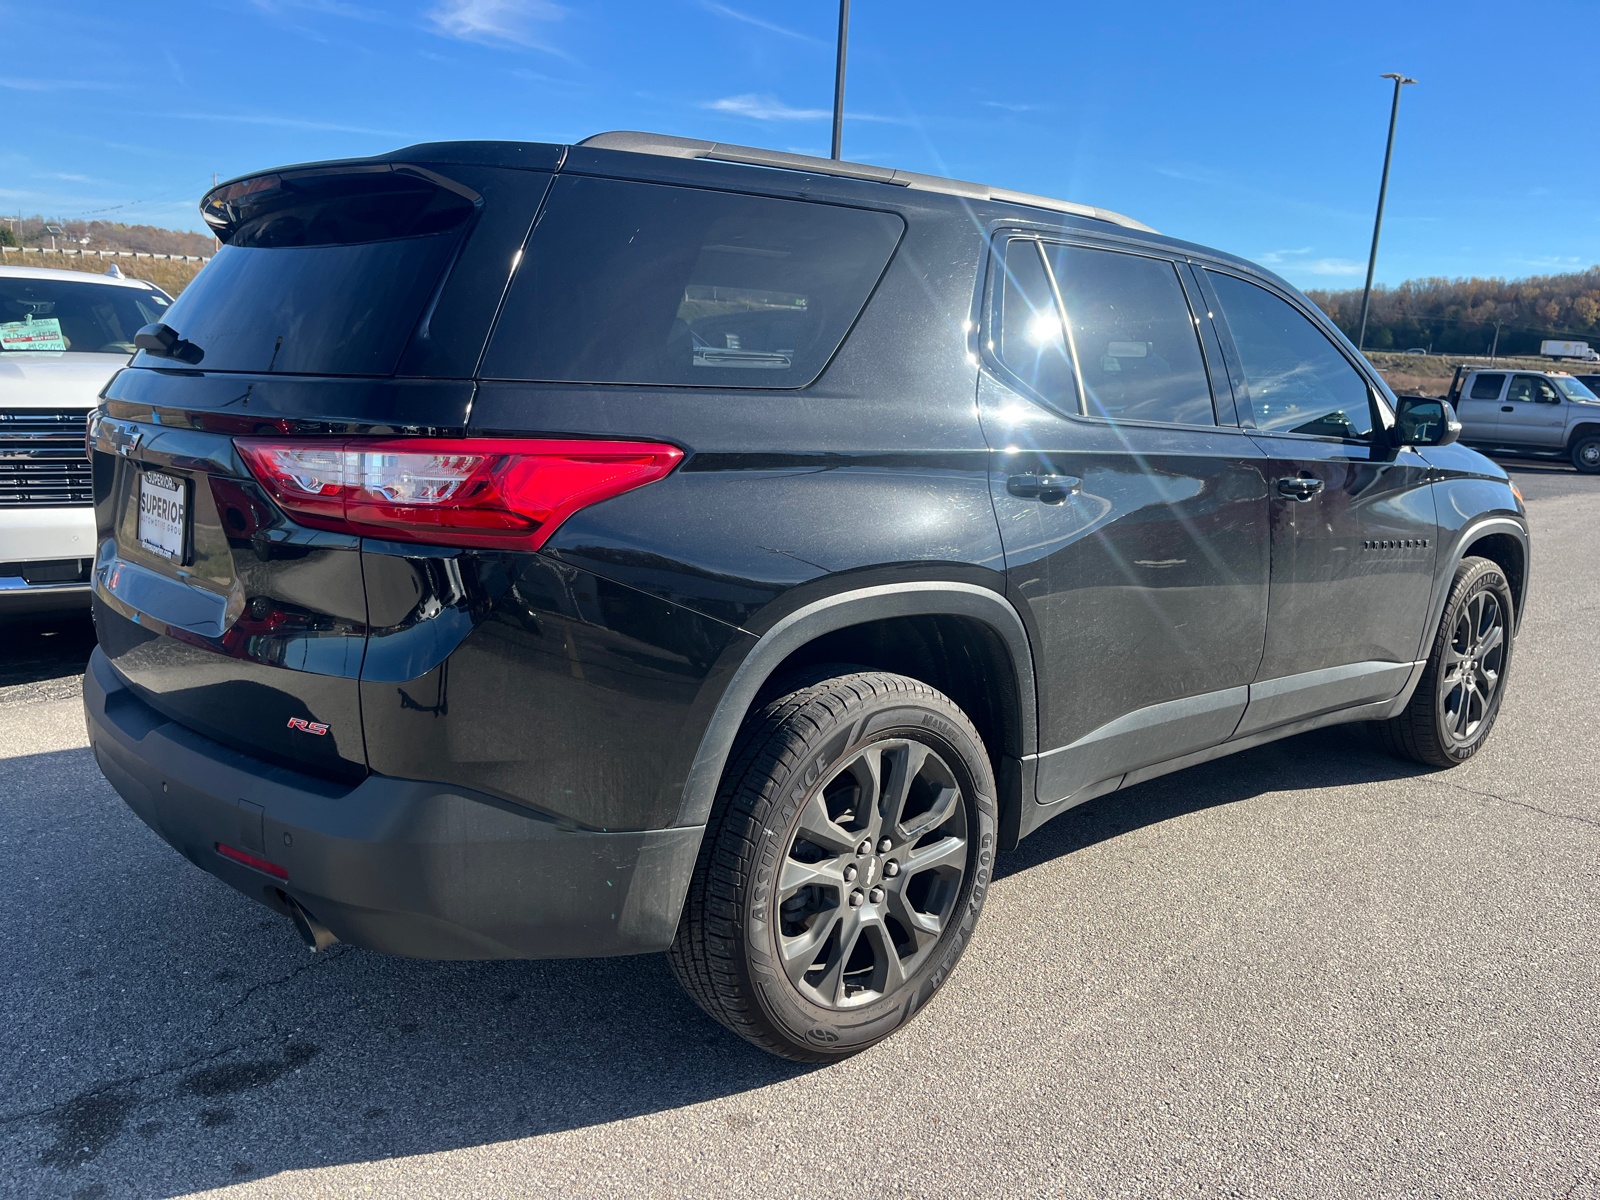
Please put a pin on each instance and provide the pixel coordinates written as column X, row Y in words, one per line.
column 649, row 284
column 324, row 272
column 65, row 314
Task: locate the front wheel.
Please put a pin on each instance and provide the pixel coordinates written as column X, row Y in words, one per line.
column 1586, row 455
column 1449, row 716
column 844, row 867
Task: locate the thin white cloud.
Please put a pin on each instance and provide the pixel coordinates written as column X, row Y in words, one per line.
column 497, row 22
column 329, row 8
column 766, row 108
column 60, row 85
column 177, row 71
column 1333, row 266
column 722, row 10
column 279, row 122
column 1273, row 258
column 1016, row 108
column 770, row 108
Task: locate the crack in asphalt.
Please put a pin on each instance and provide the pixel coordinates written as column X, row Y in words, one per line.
column 132, row 1080
column 332, row 954
column 1456, row 787
column 127, row 1081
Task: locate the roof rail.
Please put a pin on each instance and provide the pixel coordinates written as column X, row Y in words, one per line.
column 677, row 147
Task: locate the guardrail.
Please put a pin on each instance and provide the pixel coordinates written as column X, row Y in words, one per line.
column 9, row 250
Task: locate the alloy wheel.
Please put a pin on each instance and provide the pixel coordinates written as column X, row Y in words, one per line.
column 871, row 874
column 1473, row 665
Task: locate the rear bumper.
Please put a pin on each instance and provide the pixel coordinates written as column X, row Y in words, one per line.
column 402, row 866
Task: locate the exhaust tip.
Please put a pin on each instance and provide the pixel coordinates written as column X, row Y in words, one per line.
column 313, row 932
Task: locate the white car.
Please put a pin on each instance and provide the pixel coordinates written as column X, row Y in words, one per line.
column 63, row 334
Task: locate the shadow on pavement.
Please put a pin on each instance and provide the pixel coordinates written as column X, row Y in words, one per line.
column 175, row 1036
column 1323, row 758
column 37, row 649
column 169, row 1035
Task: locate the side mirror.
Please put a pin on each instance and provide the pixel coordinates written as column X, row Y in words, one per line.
column 1424, row 421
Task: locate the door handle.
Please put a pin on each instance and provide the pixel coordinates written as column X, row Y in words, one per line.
column 1051, row 489
column 1507, row 408
column 1300, row 489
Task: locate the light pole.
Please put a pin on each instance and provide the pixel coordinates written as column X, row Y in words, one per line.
column 838, row 77
column 1400, row 81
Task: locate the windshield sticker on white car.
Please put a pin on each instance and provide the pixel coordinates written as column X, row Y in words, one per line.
column 32, row 335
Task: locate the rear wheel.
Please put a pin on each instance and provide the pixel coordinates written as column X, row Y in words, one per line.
column 844, row 868
column 1458, row 698
column 1586, row 455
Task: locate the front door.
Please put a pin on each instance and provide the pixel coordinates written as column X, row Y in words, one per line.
column 1534, row 414
column 1354, row 535
column 1134, row 524
column 1478, row 408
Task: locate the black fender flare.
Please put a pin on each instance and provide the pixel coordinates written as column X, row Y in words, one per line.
column 1465, row 540
column 810, row 621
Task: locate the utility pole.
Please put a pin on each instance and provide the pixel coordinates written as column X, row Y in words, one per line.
column 1400, row 81
column 838, row 78
column 1496, row 344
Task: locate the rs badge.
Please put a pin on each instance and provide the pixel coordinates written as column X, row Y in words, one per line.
column 305, row 726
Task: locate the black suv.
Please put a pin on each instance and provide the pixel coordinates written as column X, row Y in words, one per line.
column 512, row 551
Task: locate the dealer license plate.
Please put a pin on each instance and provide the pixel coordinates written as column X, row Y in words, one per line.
column 162, row 512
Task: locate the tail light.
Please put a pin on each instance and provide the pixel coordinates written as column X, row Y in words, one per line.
column 498, row 493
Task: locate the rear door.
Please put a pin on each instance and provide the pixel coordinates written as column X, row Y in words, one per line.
column 1134, row 523
column 1533, row 414
column 1353, row 527
column 1479, row 406
column 334, row 283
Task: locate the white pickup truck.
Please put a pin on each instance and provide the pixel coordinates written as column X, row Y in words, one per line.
column 63, row 334
column 1545, row 413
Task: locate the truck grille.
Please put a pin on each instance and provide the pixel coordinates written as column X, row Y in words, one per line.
column 42, row 460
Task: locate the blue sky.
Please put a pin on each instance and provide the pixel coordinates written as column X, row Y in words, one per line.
column 1254, row 127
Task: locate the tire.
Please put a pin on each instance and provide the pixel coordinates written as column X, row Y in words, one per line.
column 1586, row 455
column 1453, row 710
column 817, row 923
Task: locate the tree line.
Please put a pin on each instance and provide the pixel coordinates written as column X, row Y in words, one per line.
column 1462, row 316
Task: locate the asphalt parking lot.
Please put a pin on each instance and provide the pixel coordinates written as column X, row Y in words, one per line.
column 1308, row 970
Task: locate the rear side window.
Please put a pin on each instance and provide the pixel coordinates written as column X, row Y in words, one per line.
column 1487, row 387
column 1297, row 381
column 325, row 272
column 1133, row 337
column 645, row 283
column 1032, row 342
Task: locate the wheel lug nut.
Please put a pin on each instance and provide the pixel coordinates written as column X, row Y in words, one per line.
column 883, row 846
column 865, row 848
column 891, row 869
column 856, row 898
column 876, row 895
column 850, row 873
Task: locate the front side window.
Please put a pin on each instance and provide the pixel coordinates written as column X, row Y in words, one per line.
column 1297, row 381
column 1487, row 387
column 1530, row 389
column 61, row 314
column 644, row 283
column 1132, row 336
